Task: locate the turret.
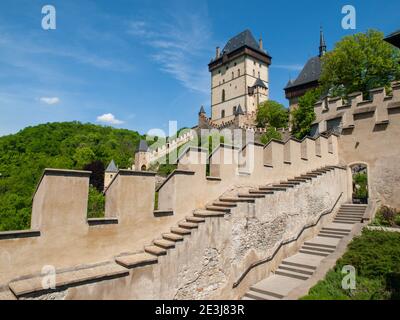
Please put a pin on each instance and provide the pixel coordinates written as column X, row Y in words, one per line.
column 142, row 157
column 110, row 173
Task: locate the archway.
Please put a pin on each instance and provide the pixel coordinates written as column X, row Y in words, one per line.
column 359, row 173
column 143, row 168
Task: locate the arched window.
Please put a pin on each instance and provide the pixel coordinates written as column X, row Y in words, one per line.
column 234, row 110
column 233, row 75
column 223, row 114
column 223, row 95
column 238, row 72
column 143, row 168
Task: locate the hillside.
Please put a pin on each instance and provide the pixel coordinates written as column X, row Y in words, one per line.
column 68, row 145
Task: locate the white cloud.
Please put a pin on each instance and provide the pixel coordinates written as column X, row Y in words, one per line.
column 50, row 100
column 108, row 118
column 290, row 67
column 179, row 47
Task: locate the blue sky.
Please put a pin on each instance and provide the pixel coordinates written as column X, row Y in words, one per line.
column 138, row 64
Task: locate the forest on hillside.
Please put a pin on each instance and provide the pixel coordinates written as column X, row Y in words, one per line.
column 66, row 145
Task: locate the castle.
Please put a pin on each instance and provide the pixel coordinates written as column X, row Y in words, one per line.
column 222, row 221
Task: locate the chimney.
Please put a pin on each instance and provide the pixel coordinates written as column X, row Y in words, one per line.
column 260, row 44
column 217, row 52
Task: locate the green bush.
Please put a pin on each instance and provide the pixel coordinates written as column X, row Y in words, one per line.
column 387, row 217
column 96, row 203
column 269, row 135
column 273, row 114
column 376, row 258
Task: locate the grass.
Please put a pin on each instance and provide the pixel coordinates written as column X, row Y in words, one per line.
column 376, row 258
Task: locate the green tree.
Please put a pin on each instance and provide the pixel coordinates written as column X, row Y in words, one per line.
column 270, row 134
column 360, row 62
column 304, row 115
column 272, row 113
column 83, row 156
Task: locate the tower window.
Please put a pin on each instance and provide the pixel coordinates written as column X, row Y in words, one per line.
column 259, row 74
column 233, row 75
column 223, row 114
column 254, row 73
column 254, row 63
column 238, row 72
column 234, row 110
column 223, row 95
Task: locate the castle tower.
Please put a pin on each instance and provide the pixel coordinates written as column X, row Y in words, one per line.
column 142, row 157
column 239, row 76
column 110, row 173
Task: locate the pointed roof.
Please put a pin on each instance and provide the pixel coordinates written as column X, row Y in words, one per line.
column 322, row 43
column 394, row 38
column 239, row 110
column 245, row 38
column 202, row 111
column 112, row 167
column 260, row 83
column 143, row 146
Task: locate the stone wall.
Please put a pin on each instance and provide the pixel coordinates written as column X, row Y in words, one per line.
column 370, row 133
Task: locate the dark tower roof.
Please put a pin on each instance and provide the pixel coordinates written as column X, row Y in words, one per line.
column 322, row 44
column 143, row 147
column 245, row 38
column 394, row 38
column 202, row 111
column 112, row 167
column 239, row 110
column 260, row 83
column 309, row 76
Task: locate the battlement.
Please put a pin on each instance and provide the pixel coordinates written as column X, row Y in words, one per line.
column 335, row 112
column 63, row 237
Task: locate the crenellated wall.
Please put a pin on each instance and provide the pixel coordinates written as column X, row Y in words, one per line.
column 63, row 237
column 370, row 131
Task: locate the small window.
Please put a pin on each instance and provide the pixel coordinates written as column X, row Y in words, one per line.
column 223, row 114
column 259, row 74
column 227, row 67
column 223, row 95
column 219, row 71
column 234, row 110
column 254, row 63
column 238, row 72
column 235, row 64
column 233, row 75
column 254, row 73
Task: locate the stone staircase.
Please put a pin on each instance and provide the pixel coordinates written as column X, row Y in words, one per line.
column 218, row 208
column 301, row 266
column 31, row 286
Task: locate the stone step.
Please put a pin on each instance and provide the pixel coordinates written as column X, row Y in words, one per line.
column 336, row 229
column 350, row 215
column 218, row 208
column 188, row 225
column 296, row 269
column 157, row 251
column 318, row 249
column 313, row 176
column 283, row 185
column 208, row 214
column 251, row 195
column 262, row 290
column 172, row 237
column 298, row 180
column 180, row 231
column 296, row 183
column 314, row 253
column 254, row 295
column 195, row 219
column 272, row 189
column 334, row 232
column 237, row 199
column 291, row 274
column 69, row 278
column 299, row 265
column 136, row 260
column 319, row 245
column 307, row 178
column 351, row 211
column 260, row 192
column 345, row 221
column 329, row 236
column 164, row 244
column 225, row 204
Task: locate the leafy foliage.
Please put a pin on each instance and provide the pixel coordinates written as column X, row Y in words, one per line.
column 361, row 182
column 67, row 145
column 273, row 114
column 360, row 62
column 270, row 134
column 376, row 258
column 387, row 217
column 304, row 115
